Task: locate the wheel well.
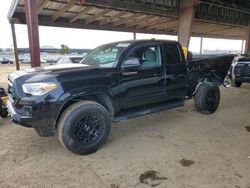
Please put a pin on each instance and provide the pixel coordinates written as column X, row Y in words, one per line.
column 102, row 99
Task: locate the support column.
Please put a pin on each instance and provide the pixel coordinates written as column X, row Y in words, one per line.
column 13, row 30
column 242, row 46
column 33, row 33
column 247, row 44
column 201, row 45
column 134, row 35
column 185, row 21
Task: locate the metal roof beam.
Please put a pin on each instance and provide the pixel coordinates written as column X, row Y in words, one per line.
column 127, row 19
column 63, row 9
column 160, row 23
column 113, row 18
column 42, row 4
column 79, row 14
column 141, row 20
column 133, row 5
column 92, row 18
column 149, row 22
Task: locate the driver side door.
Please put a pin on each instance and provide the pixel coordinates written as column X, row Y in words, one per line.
column 144, row 83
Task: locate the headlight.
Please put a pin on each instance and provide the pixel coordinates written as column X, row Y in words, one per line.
column 38, row 89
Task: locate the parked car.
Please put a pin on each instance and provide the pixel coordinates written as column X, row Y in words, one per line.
column 68, row 59
column 6, row 60
column 114, row 82
column 43, row 60
column 240, row 71
column 27, row 60
column 51, row 59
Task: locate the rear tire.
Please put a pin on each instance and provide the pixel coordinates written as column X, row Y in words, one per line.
column 84, row 127
column 207, row 98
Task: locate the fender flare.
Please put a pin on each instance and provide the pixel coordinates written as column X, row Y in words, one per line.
column 100, row 97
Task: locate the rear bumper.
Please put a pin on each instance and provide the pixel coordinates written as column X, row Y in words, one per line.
column 30, row 121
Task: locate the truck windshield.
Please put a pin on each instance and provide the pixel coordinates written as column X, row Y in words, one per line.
column 106, row 55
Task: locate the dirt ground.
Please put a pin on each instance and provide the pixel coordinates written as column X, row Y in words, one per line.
column 177, row 148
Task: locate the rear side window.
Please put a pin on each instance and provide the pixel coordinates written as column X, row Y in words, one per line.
column 172, row 54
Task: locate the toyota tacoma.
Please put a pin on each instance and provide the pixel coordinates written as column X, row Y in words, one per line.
column 114, row 82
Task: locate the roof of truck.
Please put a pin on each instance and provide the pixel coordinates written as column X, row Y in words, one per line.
column 141, row 41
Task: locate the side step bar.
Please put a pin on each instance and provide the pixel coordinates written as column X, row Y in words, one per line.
column 147, row 109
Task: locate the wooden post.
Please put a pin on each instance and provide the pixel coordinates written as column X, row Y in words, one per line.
column 13, row 30
column 33, row 32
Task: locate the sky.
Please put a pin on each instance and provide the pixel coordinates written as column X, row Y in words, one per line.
column 82, row 38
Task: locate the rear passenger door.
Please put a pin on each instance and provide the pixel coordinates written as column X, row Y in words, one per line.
column 176, row 71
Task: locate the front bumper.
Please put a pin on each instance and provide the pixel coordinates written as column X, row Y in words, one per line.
column 242, row 79
column 38, row 112
column 41, row 128
column 17, row 118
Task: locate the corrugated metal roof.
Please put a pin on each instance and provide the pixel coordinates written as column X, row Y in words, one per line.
column 147, row 16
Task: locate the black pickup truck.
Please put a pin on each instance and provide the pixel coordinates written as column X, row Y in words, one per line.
column 240, row 71
column 114, row 82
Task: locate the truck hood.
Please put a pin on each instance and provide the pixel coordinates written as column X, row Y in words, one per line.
column 56, row 68
column 46, row 73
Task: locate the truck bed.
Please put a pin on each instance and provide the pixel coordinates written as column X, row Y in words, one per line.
column 218, row 65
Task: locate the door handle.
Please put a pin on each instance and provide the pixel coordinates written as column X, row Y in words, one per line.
column 181, row 76
column 158, row 74
column 129, row 73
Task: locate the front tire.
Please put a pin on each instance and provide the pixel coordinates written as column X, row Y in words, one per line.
column 84, row 127
column 207, row 98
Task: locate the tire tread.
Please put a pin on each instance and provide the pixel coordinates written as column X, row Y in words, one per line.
column 200, row 97
column 68, row 111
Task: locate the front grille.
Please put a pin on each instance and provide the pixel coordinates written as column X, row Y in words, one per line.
column 242, row 70
column 247, row 70
column 238, row 70
column 11, row 90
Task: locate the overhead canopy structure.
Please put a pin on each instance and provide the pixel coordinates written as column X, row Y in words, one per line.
column 212, row 19
column 185, row 18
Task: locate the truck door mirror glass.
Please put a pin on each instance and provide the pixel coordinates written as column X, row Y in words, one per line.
column 131, row 62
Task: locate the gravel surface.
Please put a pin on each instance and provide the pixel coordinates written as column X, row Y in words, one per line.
column 176, row 148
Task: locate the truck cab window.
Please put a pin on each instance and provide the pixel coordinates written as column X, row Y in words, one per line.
column 149, row 56
column 172, row 54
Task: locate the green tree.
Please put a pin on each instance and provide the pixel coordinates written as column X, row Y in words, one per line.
column 64, row 49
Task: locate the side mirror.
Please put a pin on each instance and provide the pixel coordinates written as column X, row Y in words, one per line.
column 131, row 63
